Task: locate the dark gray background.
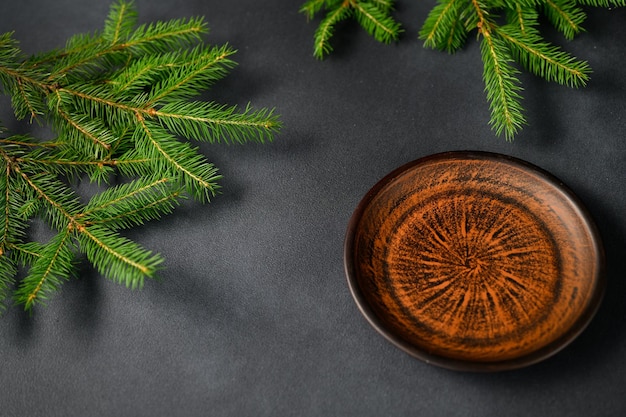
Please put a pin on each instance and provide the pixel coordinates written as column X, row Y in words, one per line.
column 252, row 316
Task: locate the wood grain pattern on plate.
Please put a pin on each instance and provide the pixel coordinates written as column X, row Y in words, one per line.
column 475, row 261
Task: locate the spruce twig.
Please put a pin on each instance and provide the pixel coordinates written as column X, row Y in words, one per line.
column 508, row 33
column 373, row 15
column 119, row 101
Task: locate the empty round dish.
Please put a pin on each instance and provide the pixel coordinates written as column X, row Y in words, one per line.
column 474, row 261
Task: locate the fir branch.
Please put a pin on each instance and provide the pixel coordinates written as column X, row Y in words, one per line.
column 49, row 270
column 9, row 49
column 84, row 57
column 95, row 101
column 507, row 29
column 117, row 257
column 25, row 254
column 132, row 204
column 502, row 86
column 522, row 18
column 384, row 5
column 88, row 134
column 373, row 15
column 377, row 21
column 162, row 37
column 543, row 59
column 311, row 7
column 28, row 101
column 177, row 159
column 132, row 164
column 117, row 100
column 566, row 16
column 13, row 226
column 203, row 67
column 86, row 54
column 65, row 162
column 120, row 23
column 139, row 76
column 444, row 28
column 214, row 122
column 501, row 83
column 26, row 141
column 326, row 29
column 61, row 202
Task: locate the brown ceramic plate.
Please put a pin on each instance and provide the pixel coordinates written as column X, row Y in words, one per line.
column 474, row 261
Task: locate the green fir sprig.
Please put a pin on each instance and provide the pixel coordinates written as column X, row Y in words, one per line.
column 373, row 15
column 508, row 33
column 122, row 104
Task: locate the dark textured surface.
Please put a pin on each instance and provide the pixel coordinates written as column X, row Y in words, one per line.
column 253, row 316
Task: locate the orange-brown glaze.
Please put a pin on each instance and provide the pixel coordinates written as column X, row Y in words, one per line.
column 475, row 260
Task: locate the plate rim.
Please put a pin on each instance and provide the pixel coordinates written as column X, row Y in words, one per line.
column 528, row 359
